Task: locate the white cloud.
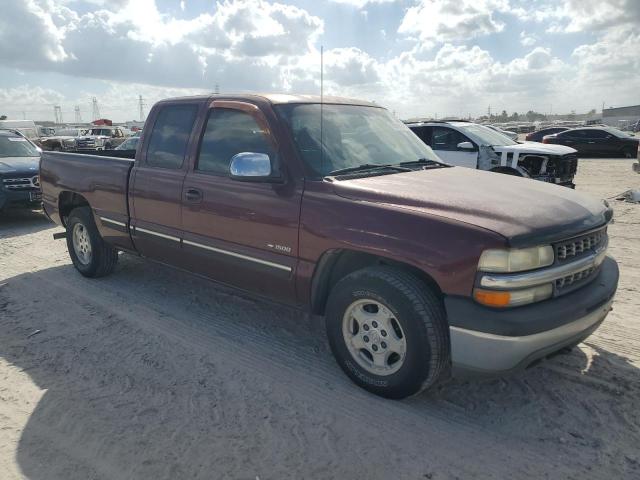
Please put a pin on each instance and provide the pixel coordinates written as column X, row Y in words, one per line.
column 527, row 40
column 452, row 20
column 361, row 3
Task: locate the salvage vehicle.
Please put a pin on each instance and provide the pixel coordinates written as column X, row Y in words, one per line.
column 101, row 138
column 606, row 141
column 19, row 181
column 471, row 145
column 63, row 140
column 421, row 270
column 538, row 135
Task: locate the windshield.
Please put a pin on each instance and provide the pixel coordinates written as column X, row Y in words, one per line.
column 485, row 135
column 352, row 135
column 14, row 146
column 101, row 131
column 617, row 133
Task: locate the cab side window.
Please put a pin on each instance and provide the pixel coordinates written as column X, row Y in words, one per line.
column 228, row 133
column 170, row 136
column 447, row 139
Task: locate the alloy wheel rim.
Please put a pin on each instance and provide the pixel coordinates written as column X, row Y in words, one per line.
column 81, row 243
column 374, row 337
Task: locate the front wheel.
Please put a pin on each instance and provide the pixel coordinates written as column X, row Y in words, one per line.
column 388, row 331
column 89, row 253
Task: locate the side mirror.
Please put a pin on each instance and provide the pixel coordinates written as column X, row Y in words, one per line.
column 251, row 167
column 465, row 146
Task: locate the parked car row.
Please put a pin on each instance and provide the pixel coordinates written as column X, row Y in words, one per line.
column 422, row 270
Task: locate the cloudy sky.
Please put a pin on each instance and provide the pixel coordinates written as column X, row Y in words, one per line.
column 417, row 57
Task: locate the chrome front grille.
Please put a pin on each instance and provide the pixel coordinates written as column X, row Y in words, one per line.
column 24, row 183
column 576, row 247
column 574, row 279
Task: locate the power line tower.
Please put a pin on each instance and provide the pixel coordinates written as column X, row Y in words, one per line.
column 217, row 89
column 141, row 105
column 95, row 111
column 78, row 114
column 57, row 113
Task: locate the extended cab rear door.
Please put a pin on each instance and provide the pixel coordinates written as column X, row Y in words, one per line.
column 156, row 182
column 244, row 233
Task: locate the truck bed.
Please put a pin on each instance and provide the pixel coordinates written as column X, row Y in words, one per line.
column 102, row 180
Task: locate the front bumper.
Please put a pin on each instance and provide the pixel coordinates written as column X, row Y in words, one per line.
column 490, row 341
column 20, row 198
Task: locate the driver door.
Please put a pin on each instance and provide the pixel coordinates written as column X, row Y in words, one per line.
column 445, row 141
column 243, row 233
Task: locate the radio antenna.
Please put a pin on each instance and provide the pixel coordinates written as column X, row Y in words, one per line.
column 321, row 107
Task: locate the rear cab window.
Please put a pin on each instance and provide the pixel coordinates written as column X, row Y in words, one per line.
column 170, row 136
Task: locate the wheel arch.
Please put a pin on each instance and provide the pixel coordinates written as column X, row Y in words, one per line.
column 336, row 264
column 67, row 201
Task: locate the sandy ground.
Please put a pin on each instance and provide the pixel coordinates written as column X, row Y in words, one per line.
column 152, row 373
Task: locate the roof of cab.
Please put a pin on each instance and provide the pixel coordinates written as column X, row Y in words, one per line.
column 277, row 99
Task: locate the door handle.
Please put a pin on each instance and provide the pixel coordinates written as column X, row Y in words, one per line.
column 193, row 195
column 591, row 142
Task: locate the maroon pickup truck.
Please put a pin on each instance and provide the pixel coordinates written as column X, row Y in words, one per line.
column 422, row 270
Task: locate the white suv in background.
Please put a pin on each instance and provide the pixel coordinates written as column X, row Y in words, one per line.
column 471, row 145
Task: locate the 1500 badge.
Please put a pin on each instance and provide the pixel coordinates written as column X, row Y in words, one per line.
column 280, row 248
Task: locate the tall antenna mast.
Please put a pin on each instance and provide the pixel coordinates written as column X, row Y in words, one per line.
column 321, row 107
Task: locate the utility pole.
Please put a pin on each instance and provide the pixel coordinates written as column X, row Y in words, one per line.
column 95, row 110
column 217, row 89
column 489, row 113
column 57, row 114
column 141, row 106
column 78, row 115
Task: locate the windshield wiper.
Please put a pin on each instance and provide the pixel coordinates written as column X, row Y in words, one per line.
column 426, row 162
column 368, row 166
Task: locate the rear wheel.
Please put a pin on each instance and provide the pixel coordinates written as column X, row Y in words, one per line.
column 89, row 253
column 388, row 331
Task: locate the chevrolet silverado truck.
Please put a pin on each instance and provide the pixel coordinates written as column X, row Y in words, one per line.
column 471, row 145
column 421, row 270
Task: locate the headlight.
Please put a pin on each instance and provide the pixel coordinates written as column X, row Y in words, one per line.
column 513, row 298
column 516, row 260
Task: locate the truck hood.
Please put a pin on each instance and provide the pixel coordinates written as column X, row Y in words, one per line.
column 526, row 212
column 536, row 148
column 19, row 164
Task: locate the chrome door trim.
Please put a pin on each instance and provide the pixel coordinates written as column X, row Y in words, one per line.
column 238, row 255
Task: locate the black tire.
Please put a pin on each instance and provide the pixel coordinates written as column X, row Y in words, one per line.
column 629, row 152
column 103, row 256
column 421, row 315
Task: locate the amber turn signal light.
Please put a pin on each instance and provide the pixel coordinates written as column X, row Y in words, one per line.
column 492, row 298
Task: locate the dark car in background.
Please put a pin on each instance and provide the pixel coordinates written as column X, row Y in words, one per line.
column 540, row 134
column 19, row 180
column 130, row 143
column 597, row 141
